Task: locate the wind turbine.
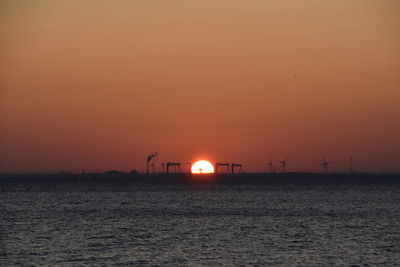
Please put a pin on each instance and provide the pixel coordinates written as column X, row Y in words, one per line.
column 324, row 165
column 283, row 164
column 269, row 164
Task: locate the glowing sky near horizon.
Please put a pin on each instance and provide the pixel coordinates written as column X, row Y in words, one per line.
column 101, row 84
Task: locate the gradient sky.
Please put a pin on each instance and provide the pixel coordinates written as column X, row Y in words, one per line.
column 100, row 84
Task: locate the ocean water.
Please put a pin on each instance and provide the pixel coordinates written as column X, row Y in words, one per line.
column 103, row 222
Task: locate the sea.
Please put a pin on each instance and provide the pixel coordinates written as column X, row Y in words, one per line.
column 245, row 220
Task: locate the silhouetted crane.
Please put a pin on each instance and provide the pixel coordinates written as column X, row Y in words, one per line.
column 218, row 164
column 233, row 165
column 324, row 165
column 173, row 164
column 149, row 158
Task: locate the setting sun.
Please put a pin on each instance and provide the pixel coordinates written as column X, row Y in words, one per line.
column 202, row 166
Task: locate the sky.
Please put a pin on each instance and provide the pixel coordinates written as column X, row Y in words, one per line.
column 99, row 85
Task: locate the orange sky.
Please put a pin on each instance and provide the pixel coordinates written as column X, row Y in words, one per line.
column 100, row 84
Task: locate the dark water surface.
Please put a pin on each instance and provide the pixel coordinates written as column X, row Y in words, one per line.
column 183, row 224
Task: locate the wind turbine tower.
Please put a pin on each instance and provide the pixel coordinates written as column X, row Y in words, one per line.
column 269, row 164
column 283, row 165
column 324, row 165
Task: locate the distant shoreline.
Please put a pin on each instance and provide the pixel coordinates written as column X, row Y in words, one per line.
column 187, row 173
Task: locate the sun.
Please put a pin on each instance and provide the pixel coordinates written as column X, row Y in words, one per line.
column 202, row 166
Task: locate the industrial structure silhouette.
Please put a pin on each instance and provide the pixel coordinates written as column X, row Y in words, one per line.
column 149, row 158
column 226, row 165
column 227, row 168
column 234, row 166
column 176, row 165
